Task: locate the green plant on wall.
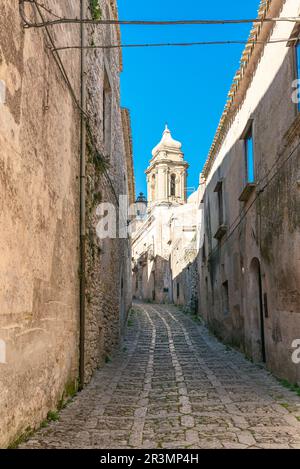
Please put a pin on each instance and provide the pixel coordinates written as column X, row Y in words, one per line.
column 100, row 162
column 95, row 9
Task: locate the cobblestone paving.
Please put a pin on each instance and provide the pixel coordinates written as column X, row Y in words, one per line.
column 173, row 385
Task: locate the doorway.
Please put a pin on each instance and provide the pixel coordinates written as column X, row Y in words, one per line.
column 152, row 295
column 122, row 302
column 257, row 312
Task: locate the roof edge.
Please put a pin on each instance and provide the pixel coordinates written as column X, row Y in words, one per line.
column 243, row 77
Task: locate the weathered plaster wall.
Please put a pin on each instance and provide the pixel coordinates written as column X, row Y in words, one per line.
column 39, row 207
column 270, row 231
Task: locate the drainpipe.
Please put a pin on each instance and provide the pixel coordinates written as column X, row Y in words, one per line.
column 82, row 196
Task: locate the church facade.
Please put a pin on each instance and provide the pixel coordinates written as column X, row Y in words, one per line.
column 164, row 240
column 167, row 173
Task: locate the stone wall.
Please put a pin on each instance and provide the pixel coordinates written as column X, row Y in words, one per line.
column 108, row 260
column 165, row 246
column 39, row 213
column 185, row 283
column 39, row 218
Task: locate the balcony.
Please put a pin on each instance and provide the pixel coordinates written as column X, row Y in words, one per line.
column 247, row 191
column 221, row 232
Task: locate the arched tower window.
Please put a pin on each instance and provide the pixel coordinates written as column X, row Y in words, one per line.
column 153, row 187
column 173, row 185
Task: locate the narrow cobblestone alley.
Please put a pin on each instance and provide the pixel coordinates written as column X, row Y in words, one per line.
column 173, row 385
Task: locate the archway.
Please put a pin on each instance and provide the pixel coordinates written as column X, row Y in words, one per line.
column 255, row 305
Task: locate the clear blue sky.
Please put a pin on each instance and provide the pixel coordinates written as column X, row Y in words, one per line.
column 186, row 87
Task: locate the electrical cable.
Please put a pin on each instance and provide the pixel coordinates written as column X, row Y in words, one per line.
column 45, row 8
column 69, row 86
column 61, row 67
column 149, row 45
column 174, row 44
column 62, row 20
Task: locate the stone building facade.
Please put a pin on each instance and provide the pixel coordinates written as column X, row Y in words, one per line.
column 129, row 154
column 249, row 264
column 40, row 198
column 169, row 227
column 184, row 250
column 109, row 175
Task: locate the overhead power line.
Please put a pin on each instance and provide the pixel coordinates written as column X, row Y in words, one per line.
column 177, row 44
column 62, row 20
column 85, row 115
column 43, row 7
column 29, row 24
column 238, row 221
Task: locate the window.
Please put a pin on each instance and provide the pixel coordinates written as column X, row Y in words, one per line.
column 153, row 187
column 206, row 291
column 298, row 71
column 266, row 308
column 178, row 290
column 204, row 250
column 249, row 151
column 107, row 113
column 249, row 184
column 220, row 203
column 2, row 92
column 225, row 294
column 222, row 228
column 219, row 190
column 173, row 185
column 2, row 352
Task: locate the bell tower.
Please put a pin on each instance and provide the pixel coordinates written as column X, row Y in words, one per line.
column 167, row 173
